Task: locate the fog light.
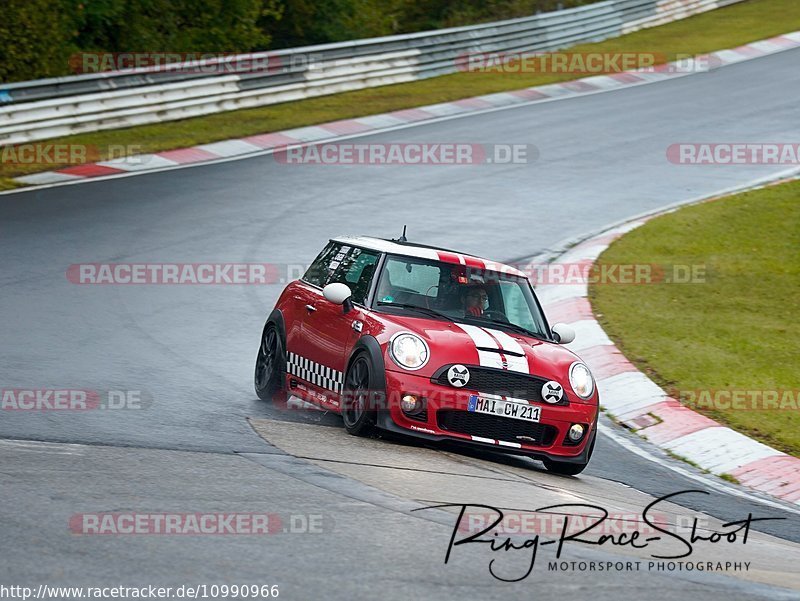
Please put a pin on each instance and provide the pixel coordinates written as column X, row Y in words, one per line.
column 576, row 432
column 409, row 403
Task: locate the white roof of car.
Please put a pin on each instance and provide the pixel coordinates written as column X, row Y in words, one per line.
column 427, row 252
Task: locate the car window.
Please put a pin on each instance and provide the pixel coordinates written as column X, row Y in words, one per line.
column 409, row 276
column 354, row 267
column 319, row 271
column 451, row 289
column 516, row 306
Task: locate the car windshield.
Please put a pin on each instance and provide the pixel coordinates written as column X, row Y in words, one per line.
column 461, row 293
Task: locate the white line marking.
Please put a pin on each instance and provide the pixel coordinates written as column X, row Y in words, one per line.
column 50, row 448
column 718, row 485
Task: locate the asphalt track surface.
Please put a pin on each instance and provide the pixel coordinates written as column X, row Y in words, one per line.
column 191, row 348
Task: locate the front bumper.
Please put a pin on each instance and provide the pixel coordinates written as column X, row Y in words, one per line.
column 547, row 439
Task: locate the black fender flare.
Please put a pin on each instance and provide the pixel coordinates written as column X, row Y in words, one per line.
column 370, row 345
column 275, row 320
column 276, row 317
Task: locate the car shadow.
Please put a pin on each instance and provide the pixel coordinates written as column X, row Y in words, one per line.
column 294, row 410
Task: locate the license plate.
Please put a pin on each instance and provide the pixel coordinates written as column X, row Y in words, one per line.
column 530, row 413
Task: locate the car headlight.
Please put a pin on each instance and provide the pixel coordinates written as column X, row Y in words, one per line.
column 409, row 351
column 580, row 378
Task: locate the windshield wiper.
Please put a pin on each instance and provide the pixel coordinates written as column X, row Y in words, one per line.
column 507, row 324
column 411, row 307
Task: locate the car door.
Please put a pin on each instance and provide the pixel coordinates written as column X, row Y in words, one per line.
column 304, row 295
column 328, row 332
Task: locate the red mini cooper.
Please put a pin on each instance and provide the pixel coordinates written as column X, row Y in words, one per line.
column 434, row 344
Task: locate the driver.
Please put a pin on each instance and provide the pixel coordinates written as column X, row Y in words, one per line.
column 475, row 301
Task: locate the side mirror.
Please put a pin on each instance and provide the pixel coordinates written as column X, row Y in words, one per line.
column 336, row 293
column 563, row 333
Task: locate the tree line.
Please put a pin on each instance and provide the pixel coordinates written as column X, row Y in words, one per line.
column 38, row 37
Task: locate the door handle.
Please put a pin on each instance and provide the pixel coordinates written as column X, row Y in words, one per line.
column 311, row 308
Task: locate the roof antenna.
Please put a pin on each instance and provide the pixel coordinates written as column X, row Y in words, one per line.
column 403, row 237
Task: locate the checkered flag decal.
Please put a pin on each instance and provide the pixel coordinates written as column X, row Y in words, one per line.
column 316, row 373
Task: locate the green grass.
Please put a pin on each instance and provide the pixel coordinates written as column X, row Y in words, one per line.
column 6, row 183
column 729, row 478
column 678, row 457
column 715, row 30
column 737, row 331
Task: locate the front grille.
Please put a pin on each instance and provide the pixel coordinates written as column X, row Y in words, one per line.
column 501, row 382
column 422, row 416
column 494, row 426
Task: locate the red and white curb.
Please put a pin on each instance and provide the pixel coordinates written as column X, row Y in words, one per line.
column 266, row 143
column 640, row 404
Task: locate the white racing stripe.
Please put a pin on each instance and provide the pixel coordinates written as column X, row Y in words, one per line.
column 519, row 364
column 490, row 359
column 479, row 337
column 507, row 343
column 495, row 339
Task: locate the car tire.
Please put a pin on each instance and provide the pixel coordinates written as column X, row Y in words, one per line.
column 358, row 412
column 563, row 468
column 270, row 371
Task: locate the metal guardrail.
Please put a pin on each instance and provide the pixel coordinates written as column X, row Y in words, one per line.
column 50, row 108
